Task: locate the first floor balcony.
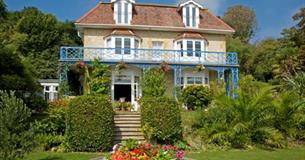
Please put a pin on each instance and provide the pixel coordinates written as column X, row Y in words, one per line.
column 150, row 56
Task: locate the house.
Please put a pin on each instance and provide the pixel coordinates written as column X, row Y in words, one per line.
column 50, row 89
column 186, row 37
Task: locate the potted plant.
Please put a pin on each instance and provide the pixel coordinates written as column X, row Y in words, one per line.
column 200, row 67
column 164, row 67
column 120, row 66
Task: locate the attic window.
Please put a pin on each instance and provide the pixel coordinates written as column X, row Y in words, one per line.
column 122, row 12
column 191, row 15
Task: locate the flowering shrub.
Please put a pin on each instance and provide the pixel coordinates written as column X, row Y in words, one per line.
column 147, row 152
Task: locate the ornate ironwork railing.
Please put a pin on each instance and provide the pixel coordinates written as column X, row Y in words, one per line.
column 148, row 55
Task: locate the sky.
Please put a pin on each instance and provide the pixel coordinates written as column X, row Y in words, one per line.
column 272, row 15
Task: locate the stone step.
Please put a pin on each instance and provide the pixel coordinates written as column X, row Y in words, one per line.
column 127, row 122
column 127, row 119
column 126, row 113
column 128, row 134
column 127, row 116
column 120, row 125
column 121, row 138
column 119, row 129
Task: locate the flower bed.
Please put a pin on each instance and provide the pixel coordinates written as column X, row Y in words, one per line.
column 129, row 151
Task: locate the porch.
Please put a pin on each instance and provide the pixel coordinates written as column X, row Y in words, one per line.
column 223, row 66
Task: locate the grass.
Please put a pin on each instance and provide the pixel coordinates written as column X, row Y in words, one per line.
column 61, row 156
column 257, row 154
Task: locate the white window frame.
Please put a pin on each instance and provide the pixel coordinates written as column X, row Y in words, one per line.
column 203, row 75
column 53, row 93
column 184, row 45
column 133, row 39
column 191, row 17
column 120, row 19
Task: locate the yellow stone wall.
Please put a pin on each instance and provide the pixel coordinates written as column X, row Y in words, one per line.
column 95, row 38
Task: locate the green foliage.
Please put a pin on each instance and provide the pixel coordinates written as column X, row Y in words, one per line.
column 90, row 123
column 196, row 96
column 161, row 119
column 100, row 81
column 35, row 102
column 290, row 116
column 296, row 83
column 16, row 134
column 3, row 11
column 37, row 37
column 50, row 142
column 244, row 121
column 125, row 106
column 14, row 74
column 243, row 20
column 153, row 82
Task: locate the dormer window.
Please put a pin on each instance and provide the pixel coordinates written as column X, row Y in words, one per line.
column 123, row 11
column 190, row 13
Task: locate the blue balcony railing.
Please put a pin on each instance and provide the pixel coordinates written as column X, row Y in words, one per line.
column 148, row 56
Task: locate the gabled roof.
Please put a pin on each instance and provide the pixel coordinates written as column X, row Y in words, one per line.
column 152, row 15
column 195, row 2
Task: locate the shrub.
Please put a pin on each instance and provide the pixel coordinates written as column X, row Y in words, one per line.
column 196, row 96
column 161, row 119
column 16, row 134
column 153, row 82
column 244, row 121
column 55, row 122
column 35, row 102
column 90, row 123
column 50, row 142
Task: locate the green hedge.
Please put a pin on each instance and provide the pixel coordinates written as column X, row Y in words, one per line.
column 161, row 119
column 90, row 123
column 196, row 96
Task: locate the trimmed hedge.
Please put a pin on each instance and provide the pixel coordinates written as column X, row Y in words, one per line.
column 196, row 96
column 161, row 119
column 90, row 123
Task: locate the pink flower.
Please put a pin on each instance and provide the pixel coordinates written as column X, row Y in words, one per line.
column 174, row 148
column 179, row 154
column 165, row 148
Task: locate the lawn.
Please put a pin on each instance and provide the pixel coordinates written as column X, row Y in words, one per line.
column 61, row 156
column 284, row 154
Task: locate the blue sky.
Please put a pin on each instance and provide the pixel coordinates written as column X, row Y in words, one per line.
column 272, row 15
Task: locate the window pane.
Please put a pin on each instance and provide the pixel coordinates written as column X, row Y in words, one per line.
column 122, row 79
column 187, row 16
column 127, row 45
column 126, row 13
column 47, row 88
column 157, row 45
column 194, row 16
column 190, row 48
column 198, row 48
column 198, row 80
column 190, row 80
column 118, row 45
column 119, row 13
column 206, row 81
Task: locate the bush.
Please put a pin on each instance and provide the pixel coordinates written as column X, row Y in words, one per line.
column 50, row 142
column 153, row 83
column 90, row 123
column 196, row 96
column 36, row 103
column 16, row 134
column 244, row 121
column 161, row 119
column 55, row 122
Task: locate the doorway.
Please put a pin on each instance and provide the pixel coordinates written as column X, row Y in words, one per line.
column 122, row 91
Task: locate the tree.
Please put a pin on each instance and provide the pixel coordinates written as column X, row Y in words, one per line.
column 14, row 73
column 300, row 16
column 243, row 20
column 16, row 134
column 2, row 9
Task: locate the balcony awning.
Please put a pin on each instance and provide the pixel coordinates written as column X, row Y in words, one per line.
column 190, row 35
column 122, row 32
